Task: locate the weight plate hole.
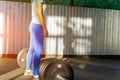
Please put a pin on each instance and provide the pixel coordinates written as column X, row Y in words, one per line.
column 22, row 59
column 59, row 65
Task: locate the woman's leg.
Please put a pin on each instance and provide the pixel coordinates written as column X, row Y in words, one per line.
column 38, row 51
column 29, row 55
column 38, row 37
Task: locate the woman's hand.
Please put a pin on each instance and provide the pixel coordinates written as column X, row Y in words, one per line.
column 40, row 17
column 45, row 33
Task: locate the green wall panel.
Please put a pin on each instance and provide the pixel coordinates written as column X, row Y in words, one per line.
column 105, row 4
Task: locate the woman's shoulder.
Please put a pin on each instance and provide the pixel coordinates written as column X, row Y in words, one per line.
column 40, row 0
column 37, row 0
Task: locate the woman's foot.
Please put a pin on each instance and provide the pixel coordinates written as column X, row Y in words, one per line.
column 33, row 78
column 28, row 72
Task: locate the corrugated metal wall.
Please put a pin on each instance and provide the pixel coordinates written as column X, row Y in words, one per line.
column 72, row 30
column 15, row 17
column 83, row 31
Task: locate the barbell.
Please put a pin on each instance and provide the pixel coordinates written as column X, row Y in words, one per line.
column 50, row 68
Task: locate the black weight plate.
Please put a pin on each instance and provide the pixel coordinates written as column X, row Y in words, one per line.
column 43, row 65
column 58, row 70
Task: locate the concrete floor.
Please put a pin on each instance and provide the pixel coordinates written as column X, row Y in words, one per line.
column 7, row 64
column 84, row 69
column 95, row 69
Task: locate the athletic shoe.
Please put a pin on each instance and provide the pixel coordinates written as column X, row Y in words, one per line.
column 35, row 78
column 28, row 72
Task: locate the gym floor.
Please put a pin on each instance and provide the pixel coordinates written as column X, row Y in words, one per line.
column 84, row 69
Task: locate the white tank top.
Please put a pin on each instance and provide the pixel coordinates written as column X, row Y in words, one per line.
column 34, row 13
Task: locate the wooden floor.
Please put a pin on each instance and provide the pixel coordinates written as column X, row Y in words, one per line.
column 84, row 69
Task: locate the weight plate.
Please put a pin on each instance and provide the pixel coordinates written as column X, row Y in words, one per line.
column 58, row 70
column 21, row 58
column 43, row 65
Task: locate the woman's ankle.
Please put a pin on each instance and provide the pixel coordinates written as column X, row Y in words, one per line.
column 35, row 76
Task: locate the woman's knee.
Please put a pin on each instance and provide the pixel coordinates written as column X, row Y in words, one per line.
column 37, row 53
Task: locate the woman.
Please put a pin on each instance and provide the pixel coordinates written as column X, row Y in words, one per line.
column 37, row 30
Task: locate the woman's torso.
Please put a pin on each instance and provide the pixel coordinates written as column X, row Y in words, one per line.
column 34, row 11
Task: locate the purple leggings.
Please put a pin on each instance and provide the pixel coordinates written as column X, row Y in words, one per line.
column 35, row 49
